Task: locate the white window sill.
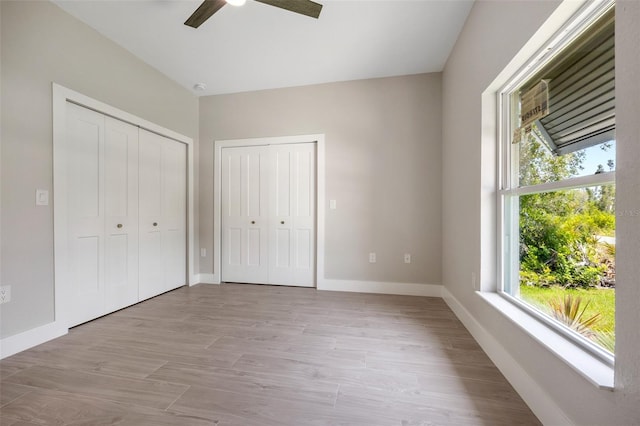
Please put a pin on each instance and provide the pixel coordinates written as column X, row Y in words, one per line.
column 596, row 371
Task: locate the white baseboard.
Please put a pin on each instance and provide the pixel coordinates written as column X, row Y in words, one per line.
column 13, row 344
column 407, row 289
column 207, row 279
column 547, row 411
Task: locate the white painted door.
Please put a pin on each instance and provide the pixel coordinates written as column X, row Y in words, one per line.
column 245, row 215
column 174, row 213
column 162, row 214
column 292, row 215
column 102, row 188
column 85, row 146
column 268, row 214
column 121, row 214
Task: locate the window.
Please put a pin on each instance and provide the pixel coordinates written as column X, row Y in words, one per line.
column 557, row 173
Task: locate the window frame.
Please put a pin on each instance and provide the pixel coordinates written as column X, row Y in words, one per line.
column 508, row 189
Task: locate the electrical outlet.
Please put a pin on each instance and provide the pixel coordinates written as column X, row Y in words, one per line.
column 203, row 252
column 372, row 258
column 407, row 258
column 5, row 294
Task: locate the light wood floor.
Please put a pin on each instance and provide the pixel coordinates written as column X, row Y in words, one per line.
column 260, row 355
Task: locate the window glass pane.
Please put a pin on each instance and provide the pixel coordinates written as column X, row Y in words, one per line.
column 566, row 257
column 511, row 244
column 539, row 164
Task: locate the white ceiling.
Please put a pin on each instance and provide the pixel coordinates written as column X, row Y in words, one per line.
column 257, row 46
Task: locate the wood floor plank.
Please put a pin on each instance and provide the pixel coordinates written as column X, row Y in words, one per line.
column 93, row 361
column 379, row 345
column 410, row 407
column 431, row 356
column 220, row 405
column 11, row 391
column 8, row 421
column 142, row 392
column 13, row 364
column 196, row 356
column 145, row 328
column 362, row 320
column 392, row 336
column 490, row 391
column 245, row 355
column 249, row 383
column 59, row 408
column 447, row 368
column 131, row 326
column 301, row 343
column 319, row 370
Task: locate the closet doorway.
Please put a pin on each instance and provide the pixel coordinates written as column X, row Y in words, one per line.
column 123, row 208
column 267, row 221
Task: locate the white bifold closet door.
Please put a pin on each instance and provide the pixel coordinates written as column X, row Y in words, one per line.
column 121, row 214
column 245, row 215
column 163, row 214
column 102, row 196
column 126, row 214
column 268, row 214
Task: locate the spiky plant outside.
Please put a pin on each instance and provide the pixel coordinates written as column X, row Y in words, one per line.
column 570, row 310
column 606, row 339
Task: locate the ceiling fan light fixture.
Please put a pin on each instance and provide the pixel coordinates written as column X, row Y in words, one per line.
column 209, row 7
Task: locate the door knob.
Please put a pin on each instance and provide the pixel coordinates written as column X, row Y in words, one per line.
column 253, row 222
column 119, row 225
column 282, row 222
column 155, row 223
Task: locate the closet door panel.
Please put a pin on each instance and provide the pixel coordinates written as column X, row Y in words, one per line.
column 305, row 213
column 163, row 212
column 174, row 212
column 151, row 262
column 280, row 221
column 245, row 214
column 121, row 205
column 85, row 187
column 292, row 221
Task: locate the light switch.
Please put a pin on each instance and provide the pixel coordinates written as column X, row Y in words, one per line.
column 332, row 204
column 42, row 197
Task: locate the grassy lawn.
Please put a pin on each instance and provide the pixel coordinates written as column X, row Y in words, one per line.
column 600, row 301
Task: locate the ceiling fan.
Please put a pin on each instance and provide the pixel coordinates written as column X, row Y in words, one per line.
column 209, row 7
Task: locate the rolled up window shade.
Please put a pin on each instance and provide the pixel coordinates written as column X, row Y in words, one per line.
column 581, row 91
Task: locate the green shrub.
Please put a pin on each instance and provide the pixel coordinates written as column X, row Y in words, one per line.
column 558, row 240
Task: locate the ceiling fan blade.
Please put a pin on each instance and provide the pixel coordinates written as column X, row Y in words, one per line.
column 204, row 12
column 304, row 7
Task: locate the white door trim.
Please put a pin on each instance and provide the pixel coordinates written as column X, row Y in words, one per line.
column 62, row 95
column 320, row 194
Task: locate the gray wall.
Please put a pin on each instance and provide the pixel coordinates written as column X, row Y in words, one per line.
column 42, row 44
column 628, row 203
column 383, row 154
column 493, row 34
